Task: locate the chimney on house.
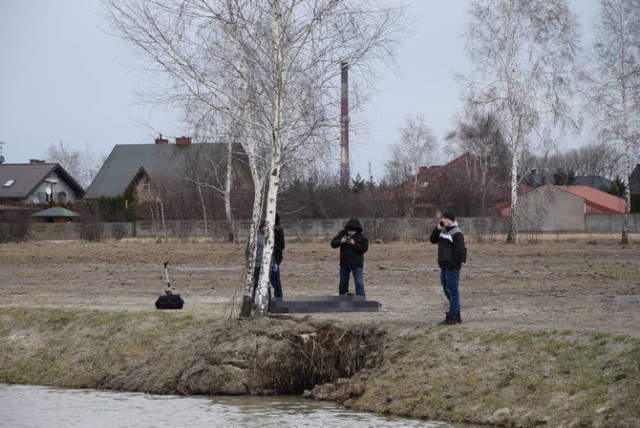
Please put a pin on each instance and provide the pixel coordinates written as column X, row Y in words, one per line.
column 36, row 161
column 161, row 140
column 183, row 141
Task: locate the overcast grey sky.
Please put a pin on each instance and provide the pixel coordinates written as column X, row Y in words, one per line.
column 64, row 79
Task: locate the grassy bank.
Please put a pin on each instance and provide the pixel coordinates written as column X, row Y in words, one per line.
column 82, row 348
column 514, row 378
column 459, row 374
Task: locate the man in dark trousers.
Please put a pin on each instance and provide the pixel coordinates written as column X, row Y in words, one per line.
column 353, row 244
column 451, row 255
column 259, row 253
column 278, row 248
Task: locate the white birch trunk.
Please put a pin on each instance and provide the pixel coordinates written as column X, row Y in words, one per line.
column 154, row 219
column 262, row 294
column 512, row 234
column 247, row 298
column 626, row 162
column 258, row 187
column 231, row 229
column 258, row 183
column 626, row 168
column 414, row 193
column 204, row 209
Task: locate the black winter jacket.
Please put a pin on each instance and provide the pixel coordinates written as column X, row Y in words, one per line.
column 278, row 244
column 451, row 248
column 351, row 256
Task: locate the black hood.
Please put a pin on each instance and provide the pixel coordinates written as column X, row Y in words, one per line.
column 353, row 223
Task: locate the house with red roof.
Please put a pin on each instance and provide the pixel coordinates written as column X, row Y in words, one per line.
column 596, row 201
column 470, row 185
column 555, row 208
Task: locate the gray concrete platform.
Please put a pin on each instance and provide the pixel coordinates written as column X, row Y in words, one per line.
column 306, row 304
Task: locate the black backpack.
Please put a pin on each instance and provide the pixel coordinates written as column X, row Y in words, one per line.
column 452, row 232
column 169, row 301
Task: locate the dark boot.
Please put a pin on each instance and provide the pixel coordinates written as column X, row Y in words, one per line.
column 458, row 318
column 448, row 320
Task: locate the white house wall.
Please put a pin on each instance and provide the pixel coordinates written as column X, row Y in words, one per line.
column 40, row 191
column 549, row 209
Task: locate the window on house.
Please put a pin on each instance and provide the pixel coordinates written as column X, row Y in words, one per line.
column 9, row 183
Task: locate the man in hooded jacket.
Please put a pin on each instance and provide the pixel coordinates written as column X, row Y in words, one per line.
column 353, row 244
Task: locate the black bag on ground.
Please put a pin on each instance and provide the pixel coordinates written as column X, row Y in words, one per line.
column 169, row 301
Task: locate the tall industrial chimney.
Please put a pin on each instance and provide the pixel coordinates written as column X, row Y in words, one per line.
column 344, row 125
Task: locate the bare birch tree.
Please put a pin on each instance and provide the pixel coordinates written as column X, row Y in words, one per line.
column 211, row 126
column 269, row 66
column 613, row 86
column 523, row 53
column 481, row 137
column 416, row 148
column 83, row 167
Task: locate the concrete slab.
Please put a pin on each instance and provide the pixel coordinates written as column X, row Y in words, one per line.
column 307, row 304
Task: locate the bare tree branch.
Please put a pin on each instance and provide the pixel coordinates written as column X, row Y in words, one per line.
column 612, row 86
column 524, row 54
column 271, row 67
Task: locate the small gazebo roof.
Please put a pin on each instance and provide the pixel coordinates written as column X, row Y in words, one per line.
column 56, row 212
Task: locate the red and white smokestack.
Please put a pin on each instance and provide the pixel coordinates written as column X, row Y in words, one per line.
column 344, row 125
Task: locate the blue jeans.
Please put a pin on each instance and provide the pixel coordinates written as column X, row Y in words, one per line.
column 450, row 280
column 274, row 277
column 358, row 278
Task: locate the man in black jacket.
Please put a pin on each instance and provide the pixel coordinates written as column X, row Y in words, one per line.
column 451, row 255
column 353, row 244
column 278, row 248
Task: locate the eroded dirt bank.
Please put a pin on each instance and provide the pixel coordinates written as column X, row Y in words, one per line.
column 550, row 333
column 167, row 352
column 457, row 374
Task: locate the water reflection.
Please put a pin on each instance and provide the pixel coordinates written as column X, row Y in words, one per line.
column 35, row 406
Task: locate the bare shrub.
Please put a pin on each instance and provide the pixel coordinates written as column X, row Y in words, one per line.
column 14, row 226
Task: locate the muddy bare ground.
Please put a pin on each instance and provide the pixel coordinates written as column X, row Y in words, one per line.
column 588, row 284
column 550, row 329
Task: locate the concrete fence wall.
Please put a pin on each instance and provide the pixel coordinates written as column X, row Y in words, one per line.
column 611, row 223
column 389, row 229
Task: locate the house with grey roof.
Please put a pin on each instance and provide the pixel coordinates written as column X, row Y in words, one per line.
column 594, row 181
column 23, row 184
column 179, row 175
column 634, row 180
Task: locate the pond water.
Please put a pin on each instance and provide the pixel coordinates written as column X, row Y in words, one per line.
column 38, row 406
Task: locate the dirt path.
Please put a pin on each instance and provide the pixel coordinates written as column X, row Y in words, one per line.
column 589, row 284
